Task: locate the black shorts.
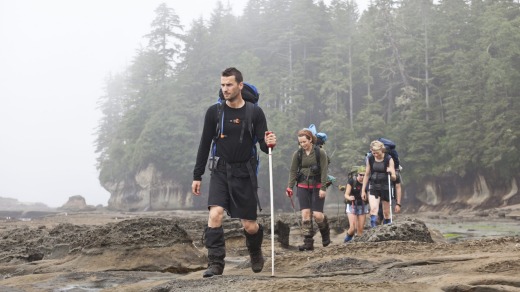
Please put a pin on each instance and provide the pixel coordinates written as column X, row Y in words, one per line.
column 310, row 199
column 243, row 204
column 383, row 194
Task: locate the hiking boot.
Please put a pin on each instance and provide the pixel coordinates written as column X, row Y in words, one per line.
column 254, row 247
column 308, row 233
column 348, row 238
column 257, row 261
column 308, row 244
column 325, row 231
column 387, row 221
column 216, row 245
column 213, row 270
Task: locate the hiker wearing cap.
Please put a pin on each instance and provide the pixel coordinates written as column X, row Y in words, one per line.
column 378, row 167
column 308, row 170
column 356, row 204
column 233, row 182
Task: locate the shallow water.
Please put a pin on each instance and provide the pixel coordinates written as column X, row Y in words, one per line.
column 457, row 229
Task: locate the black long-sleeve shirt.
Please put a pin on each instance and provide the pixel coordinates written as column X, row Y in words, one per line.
column 229, row 148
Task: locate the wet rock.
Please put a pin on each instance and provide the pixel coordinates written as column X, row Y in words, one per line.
column 282, row 229
column 405, row 229
column 147, row 244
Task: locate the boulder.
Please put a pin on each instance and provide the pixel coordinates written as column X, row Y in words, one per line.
column 405, row 229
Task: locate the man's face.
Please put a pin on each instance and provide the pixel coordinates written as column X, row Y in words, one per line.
column 230, row 88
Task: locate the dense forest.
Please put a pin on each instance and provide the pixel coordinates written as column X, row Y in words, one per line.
column 439, row 78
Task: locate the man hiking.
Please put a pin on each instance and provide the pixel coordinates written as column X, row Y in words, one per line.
column 233, row 183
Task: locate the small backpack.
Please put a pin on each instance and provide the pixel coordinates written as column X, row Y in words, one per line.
column 251, row 95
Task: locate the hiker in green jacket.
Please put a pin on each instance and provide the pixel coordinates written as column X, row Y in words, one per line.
column 309, row 169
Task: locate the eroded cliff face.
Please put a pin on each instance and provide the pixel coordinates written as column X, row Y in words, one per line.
column 475, row 192
column 151, row 190
column 147, row 190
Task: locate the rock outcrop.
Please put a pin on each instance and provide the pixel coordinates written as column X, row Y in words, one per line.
column 472, row 192
column 150, row 189
column 147, row 190
column 405, row 229
column 141, row 244
column 76, row 204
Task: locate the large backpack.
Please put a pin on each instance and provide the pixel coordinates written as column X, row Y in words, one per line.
column 251, row 95
column 390, row 152
column 390, row 149
column 321, row 138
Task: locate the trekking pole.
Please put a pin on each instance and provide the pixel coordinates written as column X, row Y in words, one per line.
column 272, row 205
column 390, row 196
column 294, row 211
column 337, row 214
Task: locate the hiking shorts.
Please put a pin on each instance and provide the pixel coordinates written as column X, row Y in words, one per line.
column 309, row 198
column 383, row 194
column 357, row 209
column 243, row 204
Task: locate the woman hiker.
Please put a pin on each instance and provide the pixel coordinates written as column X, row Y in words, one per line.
column 357, row 204
column 309, row 169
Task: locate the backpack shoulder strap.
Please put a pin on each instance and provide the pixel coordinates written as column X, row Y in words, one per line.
column 219, row 128
column 250, row 110
column 371, row 161
column 300, row 154
column 387, row 160
column 317, row 153
column 220, row 121
column 248, row 122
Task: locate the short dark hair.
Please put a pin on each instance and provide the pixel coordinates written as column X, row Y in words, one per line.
column 232, row 71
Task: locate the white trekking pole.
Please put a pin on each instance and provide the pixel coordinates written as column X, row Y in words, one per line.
column 390, row 196
column 272, row 206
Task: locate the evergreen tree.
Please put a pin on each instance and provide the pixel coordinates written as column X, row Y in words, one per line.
column 437, row 77
column 166, row 36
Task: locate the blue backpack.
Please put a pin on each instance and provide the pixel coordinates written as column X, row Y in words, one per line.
column 321, row 138
column 251, row 95
column 390, row 149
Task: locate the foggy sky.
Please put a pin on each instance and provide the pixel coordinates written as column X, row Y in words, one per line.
column 54, row 58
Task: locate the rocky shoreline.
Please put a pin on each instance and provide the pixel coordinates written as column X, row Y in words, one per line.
column 162, row 251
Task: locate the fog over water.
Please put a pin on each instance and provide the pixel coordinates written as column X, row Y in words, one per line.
column 54, row 58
